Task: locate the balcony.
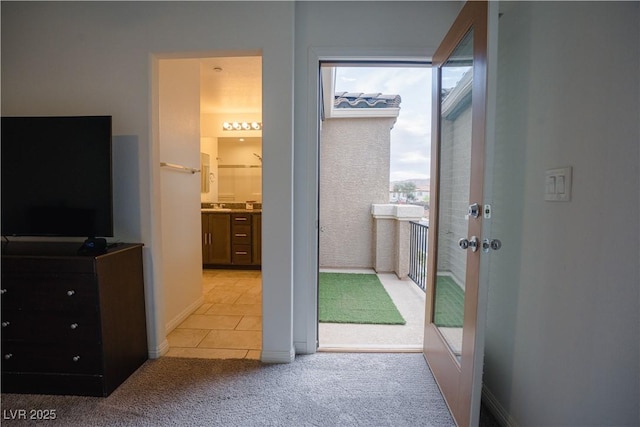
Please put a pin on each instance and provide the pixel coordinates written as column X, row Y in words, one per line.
column 410, row 301
column 390, row 241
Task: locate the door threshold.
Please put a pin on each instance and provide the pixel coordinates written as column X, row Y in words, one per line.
column 374, row 348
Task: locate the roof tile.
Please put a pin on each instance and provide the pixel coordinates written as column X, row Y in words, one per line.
column 365, row 100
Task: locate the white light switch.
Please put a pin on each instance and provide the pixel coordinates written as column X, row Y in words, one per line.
column 558, row 184
column 551, row 185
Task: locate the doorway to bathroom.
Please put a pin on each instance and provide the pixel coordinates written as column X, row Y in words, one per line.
column 210, row 122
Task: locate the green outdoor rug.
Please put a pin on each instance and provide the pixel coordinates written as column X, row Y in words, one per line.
column 449, row 305
column 355, row 298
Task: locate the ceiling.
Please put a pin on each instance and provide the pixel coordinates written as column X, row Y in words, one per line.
column 231, row 85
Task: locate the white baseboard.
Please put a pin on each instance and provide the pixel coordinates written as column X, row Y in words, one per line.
column 499, row 412
column 173, row 323
column 278, row 356
column 303, row 347
column 159, row 351
column 369, row 348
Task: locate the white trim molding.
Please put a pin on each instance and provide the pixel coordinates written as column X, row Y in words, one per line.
column 159, row 351
column 398, row 212
column 497, row 410
column 171, row 325
column 306, row 216
column 359, row 113
column 278, row 356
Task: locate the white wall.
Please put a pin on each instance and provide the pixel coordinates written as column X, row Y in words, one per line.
column 179, row 143
column 563, row 326
column 101, row 58
column 338, row 30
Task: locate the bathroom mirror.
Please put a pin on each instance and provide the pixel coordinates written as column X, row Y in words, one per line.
column 239, row 169
column 205, row 170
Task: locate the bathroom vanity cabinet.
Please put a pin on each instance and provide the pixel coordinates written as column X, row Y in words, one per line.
column 231, row 239
column 256, row 238
column 216, row 238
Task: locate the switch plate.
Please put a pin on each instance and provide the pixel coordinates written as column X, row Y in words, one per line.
column 558, row 184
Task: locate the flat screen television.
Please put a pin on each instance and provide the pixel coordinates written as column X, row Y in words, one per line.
column 56, row 176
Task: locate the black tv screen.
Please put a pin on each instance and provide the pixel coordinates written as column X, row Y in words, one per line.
column 56, row 176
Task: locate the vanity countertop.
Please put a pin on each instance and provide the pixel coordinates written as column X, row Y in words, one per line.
column 229, row 210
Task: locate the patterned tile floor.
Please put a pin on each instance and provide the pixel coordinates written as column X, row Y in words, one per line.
column 229, row 323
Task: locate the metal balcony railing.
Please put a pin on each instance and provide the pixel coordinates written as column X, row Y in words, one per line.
column 418, row 236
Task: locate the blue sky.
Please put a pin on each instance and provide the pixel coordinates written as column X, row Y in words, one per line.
column 411, row 135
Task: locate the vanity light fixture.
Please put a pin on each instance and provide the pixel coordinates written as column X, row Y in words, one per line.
column 241, row 126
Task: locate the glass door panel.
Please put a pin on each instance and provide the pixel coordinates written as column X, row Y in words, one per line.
column 454, row 185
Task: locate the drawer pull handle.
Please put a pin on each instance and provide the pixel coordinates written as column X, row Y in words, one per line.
column 241, row 219
column 71, row 292
column 5, row 324
column 75, row 358
column 241, row 253
column 74, row 326
column 241, row 234
column 8, row 356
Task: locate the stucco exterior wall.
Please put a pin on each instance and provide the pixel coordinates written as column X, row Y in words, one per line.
column 354, row 174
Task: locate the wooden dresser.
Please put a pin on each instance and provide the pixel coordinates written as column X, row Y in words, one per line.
column 71, row 324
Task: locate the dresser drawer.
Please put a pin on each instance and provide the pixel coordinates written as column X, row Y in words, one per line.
column 241, row 235
column 42, row 327
column 43, row 383
column 38, row 265
column 59, row 292
column 69, row 359
column 241, row 254
column 239, row 219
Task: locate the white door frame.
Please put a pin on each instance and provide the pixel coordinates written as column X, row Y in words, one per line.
column 308, row 264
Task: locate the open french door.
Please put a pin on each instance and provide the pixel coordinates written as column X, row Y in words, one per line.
column 457, row 210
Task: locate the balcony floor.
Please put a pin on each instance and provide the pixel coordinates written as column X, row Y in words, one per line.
column 410, row 301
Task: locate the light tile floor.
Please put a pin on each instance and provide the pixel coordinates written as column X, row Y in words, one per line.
column 229, row 323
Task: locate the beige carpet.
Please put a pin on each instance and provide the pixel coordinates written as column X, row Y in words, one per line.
column 323, row 389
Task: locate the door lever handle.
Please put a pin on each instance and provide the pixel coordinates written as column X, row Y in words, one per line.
column 474, row 210
column 494, row 244
column 470, row 243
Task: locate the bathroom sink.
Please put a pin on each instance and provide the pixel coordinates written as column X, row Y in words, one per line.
column 216, row 210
